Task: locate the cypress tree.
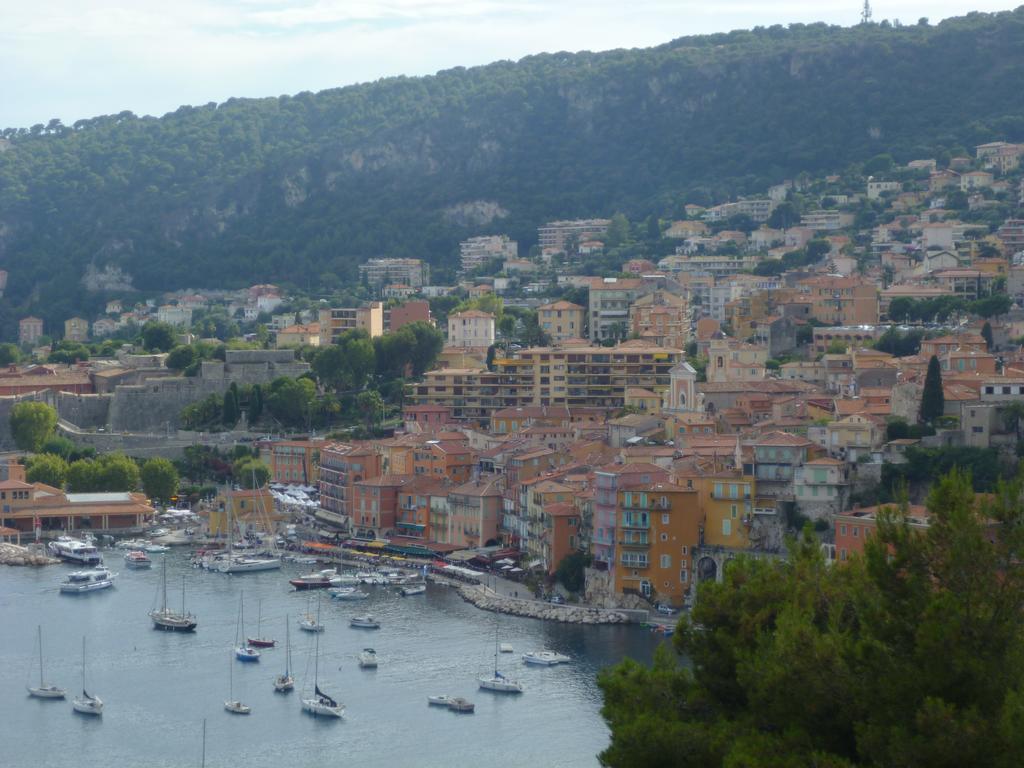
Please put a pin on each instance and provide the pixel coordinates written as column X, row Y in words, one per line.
column 986, row 332
column 933, row 402
column 230, row 412
column 255, row 403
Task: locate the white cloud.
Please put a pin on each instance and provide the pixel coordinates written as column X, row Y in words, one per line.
column 78, row 58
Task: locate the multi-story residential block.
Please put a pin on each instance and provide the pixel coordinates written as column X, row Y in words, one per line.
column 293, row 462
column 409, row 312
column 562, row 320
column 1011, row 233
column 554, row 237
column 876, row 188
column 841, row 300
column 854, row 436
column 608, row 306
column 732, row 360
column 76, row 329
column 29, row 330
column 475, row 512
column 854, row 528
column 175, row 315
column 826, row 221
column 337, row 321
column 380, row 272
column 307, row 335
column 478, row 251
column 608, row 481
column 448, row 459
column 341, row 467
column 777, row 455
column 757, row 209
column 821, row 487
column 662, row 318
column 375, row 504
column 471, row 328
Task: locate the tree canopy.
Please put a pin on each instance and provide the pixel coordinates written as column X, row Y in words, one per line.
column 31, row 424
column 905, row 656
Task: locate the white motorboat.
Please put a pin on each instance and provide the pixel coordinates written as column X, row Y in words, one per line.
column 166, row 618
column 347, row 593
column 459, row 704
column 506, row 648
column 438, row 701
column 498, row 682
column 413, row 589
column 374, row 579
column 92, row 580
column 44, row 690
column 284, row 683
column 319, row 580
column 86, row 704
column 368, row 658
column 320, row 704
column 136, row 558
column 365, row 621
column 75, row 551
column 134, row 544
column 545, row 658
column 345, row 580
column 157, row 549
column 175, row 538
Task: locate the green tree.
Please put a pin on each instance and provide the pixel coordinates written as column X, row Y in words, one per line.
column 618, row 231
column 158, row 337
column 159, row 479
column 83, row 476
column 181, row 357
column 47, row 468
column 905, row 656
column 251, row 473
column 986, row 332
column 31, row 424
column 116, row 472
column 836, row 347
column 291, row 401
column 9, row 354
column 491, row 352
column 933, row 401
column 255, row 403
column 371, row 406
column 571, row 571
column 230, row 410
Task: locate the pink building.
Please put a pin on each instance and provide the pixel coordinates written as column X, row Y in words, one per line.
column 29, row 330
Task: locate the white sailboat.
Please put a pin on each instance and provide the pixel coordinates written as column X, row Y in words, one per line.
column 309, row 622
column 167, row 619
column 44, row 690
column 320, row 704
column 284, row 683
column 233, row 705
column 86, row 704
column 247, row 563
column 498, row 682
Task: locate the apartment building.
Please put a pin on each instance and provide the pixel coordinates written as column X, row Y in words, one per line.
column 608, row 306
column 76, row 329
column 295, row 462
column 335, row 322
column 841, row 300
column 29, row 330
column 826, row 221
column 478, row 251
column 472, row 328
column 662, row 318
column 554, row 236
column 341, row 467
column 380, row 272
column 562, row 320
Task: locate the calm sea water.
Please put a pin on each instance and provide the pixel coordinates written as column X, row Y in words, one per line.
column 158, row 687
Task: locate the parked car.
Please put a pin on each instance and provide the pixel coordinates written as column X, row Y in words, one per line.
column 664, row 609
column 556, row 599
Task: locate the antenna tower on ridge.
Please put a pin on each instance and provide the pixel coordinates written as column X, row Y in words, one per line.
column 865, row 14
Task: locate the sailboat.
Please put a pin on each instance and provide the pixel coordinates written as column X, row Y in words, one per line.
column 242, row 650
column 284, row 683
column 233, row 705
column 87, row 704
column 246, row 563
column 309, row 622
column 166, row 618
column 320, row 704
column 43, row 690
column 498, row 682
column 259, row 641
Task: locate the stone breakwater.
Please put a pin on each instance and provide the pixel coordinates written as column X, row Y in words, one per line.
column 487, row 600
column 12, row 554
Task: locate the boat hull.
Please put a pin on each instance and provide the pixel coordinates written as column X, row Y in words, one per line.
column 249, row 566
column 500, row 686
column 165, row 624
column 317, row 709
column 237, row 708
column 47, row 692
column 91, row 706
column 284, row 685
column 80, row 589
column 256, row 642
column 302, row 585
column 247, row 655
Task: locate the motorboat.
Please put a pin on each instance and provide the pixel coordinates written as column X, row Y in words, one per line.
column 506, row 648
column 75, row 551
column 177, row 537
column 247, row 564
column 365, row 621
column 459, row 704
column 368, row 658
column 319, row 580
column 413, row 589
column 139, row 544
column 374, row 579
column 92, row 580
column 44, row 690
column 438, row 701
column 545, row 658
column 166, row 618
column 157, row 549
column 345, row 580
column 86, row 704
column 136, row 558
column 347, row 593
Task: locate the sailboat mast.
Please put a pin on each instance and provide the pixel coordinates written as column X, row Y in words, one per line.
column 83, row 667
column 287, row 647
column 163, row 608
column 182, row 594
column 316, row 666
column 40, row 655
column 204, row 743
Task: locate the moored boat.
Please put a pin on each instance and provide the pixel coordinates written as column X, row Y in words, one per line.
column 438, row 701
column 319, row 580
column 92, row 580
column 365, row 621
column 75, row 551
column 45, row 690
column 459, row 704
column 545, row 658
column 347, row 593
column 320, row 704
column 136, row 558
column 86, row 704
column 368, row 658
column 166, row 618
column 413, row 589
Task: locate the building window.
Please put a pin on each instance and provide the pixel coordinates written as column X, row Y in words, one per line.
column 842, row 530
column 727, row 527
column 856, row 532
column 664, row 518
column 683, row 549
column 664, row 537
column 682, row 576
column 666, row 561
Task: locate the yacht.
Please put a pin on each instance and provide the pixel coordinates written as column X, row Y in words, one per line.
column 545, row 658
column 248, row 564
column 311, row 623
column 139, row 544
column 75, row 551
column 92, row 580
column 438, row 701
column 459, row 704
column 498, row 682
column 157, row 549
column 320, row 704
column 319, row 580
column 413, row 589
column 44, row 690
column 364, row 622
column 233, row 705
column 285, row 683
column 345, row 580
column 166, row 618
column 86, row 704
column 368, row 658
column 136, row 558
column 243, row 651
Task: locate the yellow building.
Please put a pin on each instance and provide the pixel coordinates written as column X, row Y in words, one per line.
column 298, row 336
column 249, row 510
column 335, row 322
column 658, row 530
column 76, row 329
column 561, row 320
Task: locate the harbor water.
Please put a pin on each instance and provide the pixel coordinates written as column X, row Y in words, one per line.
column 159, row 687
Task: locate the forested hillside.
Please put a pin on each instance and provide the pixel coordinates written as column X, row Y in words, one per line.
column 299, row 189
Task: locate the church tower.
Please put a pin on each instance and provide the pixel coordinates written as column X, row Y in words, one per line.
column 682, row 396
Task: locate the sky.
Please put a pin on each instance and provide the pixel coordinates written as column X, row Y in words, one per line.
column 73, row 59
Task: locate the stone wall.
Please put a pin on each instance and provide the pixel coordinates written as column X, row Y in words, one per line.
column 84, row 411
column 486, row 599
